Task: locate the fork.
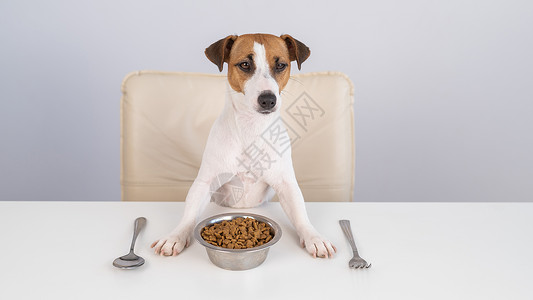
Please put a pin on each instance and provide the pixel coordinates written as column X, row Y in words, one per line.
column 356, row 262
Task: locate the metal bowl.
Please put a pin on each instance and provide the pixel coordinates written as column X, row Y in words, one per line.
column 237, row 259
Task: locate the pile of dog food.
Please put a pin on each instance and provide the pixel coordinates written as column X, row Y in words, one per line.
column 239, row 233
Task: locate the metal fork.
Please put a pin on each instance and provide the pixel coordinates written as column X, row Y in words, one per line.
column 356, row 262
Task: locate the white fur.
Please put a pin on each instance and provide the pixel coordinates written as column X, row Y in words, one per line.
column 225, row 166
column 262, row 79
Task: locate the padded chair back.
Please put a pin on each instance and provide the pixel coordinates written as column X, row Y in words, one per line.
column 166, row 118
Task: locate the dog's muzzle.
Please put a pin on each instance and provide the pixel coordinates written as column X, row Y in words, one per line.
column 267, row 101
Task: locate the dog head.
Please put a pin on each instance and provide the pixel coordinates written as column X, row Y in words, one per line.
column 259, row 66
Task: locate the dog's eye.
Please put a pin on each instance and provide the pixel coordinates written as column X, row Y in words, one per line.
column 245, row 66
column 280, row 67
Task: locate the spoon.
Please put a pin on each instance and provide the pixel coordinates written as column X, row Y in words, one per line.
column 131, row 260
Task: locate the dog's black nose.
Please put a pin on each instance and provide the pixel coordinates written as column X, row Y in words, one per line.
column 267, row 100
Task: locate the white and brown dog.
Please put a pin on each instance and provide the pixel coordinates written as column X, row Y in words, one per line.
column 258, row 70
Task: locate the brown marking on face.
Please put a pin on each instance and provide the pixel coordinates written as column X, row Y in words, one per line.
column 278, row 59
column 241, row 52
column 276, row 52
column 280, row 51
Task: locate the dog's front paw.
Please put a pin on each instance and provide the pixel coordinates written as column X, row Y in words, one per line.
column 317, row 245
column 171, row 245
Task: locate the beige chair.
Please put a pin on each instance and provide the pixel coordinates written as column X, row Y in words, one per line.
column 166, row 118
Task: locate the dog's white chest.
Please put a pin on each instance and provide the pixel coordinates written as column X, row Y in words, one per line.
column 256, row 161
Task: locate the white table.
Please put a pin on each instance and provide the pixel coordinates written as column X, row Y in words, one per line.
column 64, row 250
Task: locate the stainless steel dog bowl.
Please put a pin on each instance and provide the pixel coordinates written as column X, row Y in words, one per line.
column 237, row 259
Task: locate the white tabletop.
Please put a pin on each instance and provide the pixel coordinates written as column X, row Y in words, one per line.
column 64, row 250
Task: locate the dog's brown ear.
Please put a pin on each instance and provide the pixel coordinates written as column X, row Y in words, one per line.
column 218, row 52
column 297, row 50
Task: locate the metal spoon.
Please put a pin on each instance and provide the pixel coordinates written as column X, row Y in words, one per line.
column 130, row 260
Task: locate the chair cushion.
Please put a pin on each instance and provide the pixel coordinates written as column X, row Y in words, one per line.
column 166, row 118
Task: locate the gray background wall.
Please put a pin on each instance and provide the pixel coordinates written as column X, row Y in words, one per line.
column 443, row 89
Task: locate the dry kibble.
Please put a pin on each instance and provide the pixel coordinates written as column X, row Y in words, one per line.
column 239, row 233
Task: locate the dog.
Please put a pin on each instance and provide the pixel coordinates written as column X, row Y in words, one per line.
column 258, row 70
